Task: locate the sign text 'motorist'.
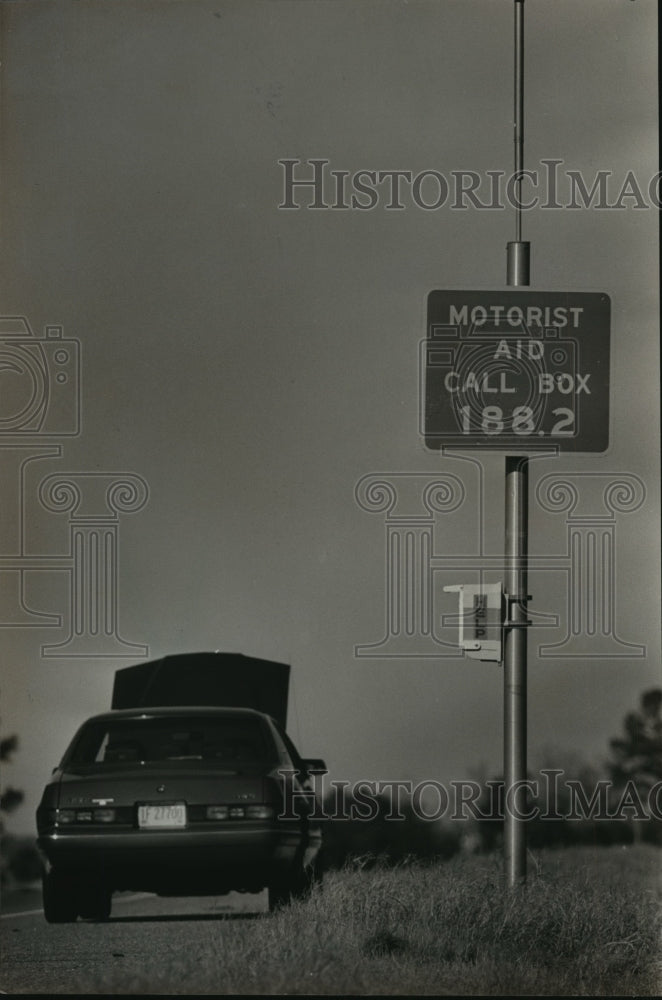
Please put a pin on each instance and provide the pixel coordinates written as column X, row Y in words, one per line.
column 516, row 316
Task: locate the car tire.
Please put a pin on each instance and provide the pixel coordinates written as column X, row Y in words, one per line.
column 60, row 897
column 95, row 902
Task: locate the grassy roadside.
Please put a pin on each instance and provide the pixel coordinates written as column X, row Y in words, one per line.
column 587, row 923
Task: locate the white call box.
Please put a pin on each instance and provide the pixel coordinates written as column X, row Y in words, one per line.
column 481, row 619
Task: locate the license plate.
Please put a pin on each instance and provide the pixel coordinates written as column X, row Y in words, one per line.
column 162, row 816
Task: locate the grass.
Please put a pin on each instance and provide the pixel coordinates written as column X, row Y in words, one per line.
column 587, row 923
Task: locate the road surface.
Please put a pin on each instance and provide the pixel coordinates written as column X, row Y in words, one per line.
column 144, row 934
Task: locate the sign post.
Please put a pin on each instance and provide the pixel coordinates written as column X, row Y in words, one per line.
column 515, row 666
column 517, row 549
column 516, row 546
column 515, row 371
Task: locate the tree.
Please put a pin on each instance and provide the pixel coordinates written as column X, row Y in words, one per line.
column 636, row 757
column 10, row 797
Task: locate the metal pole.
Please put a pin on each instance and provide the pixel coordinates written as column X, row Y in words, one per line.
column 518, row 252
column 514, row 679
column 516, row 546
column 519, row 109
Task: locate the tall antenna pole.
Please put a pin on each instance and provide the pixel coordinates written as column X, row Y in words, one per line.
column 516, row 551
column 518, row 252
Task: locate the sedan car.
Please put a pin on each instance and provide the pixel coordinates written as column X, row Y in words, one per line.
column 177, row 801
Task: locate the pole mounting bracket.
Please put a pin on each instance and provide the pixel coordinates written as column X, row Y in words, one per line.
column 520, row 599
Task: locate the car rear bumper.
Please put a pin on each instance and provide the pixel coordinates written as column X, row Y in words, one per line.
column 152, row 859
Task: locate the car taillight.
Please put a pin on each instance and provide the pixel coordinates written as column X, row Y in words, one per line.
column 67, row 816
column 217, row 812
column 104, row 815
column 240, row 812
column 259, row 812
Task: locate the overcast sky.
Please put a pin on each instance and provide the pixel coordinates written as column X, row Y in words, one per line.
column 251, row 364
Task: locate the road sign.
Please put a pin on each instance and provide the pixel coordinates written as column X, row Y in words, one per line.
column 512, row 370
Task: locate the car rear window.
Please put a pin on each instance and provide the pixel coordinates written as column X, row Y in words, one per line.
column 218, row 740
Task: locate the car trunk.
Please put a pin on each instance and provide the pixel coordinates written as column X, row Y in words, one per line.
column 212, row 679
column 193, row 785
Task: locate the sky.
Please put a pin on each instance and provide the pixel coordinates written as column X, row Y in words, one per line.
column 242, row 368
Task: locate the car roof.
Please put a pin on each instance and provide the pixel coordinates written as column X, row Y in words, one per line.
column 165, row 711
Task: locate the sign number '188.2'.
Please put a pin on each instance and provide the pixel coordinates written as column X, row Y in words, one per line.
column 522, row 421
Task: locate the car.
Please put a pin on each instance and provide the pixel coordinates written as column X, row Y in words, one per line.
column 177, row 801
